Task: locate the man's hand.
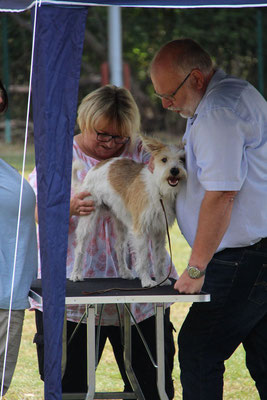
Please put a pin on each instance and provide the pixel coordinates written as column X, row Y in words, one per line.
column 79, row 206
column 185, row 284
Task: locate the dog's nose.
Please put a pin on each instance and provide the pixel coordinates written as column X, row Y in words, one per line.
column 174, row 171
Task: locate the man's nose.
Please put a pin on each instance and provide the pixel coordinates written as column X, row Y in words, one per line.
column 166, row 103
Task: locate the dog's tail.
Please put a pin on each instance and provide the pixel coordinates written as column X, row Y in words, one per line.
column 75, row 183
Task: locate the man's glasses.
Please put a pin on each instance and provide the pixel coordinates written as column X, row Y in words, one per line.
column 105, row 137
column 171, row 97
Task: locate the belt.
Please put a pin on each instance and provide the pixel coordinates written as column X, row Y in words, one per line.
column 262, row 244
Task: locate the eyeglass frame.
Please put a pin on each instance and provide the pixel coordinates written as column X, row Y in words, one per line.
column 110, row 137
column 171, row 97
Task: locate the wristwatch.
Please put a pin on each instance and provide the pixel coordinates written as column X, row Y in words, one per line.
column 195, row 272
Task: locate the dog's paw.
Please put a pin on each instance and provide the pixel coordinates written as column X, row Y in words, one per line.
column 148, row 282
column 164, row 283
column 126, row 274
column 75, row 277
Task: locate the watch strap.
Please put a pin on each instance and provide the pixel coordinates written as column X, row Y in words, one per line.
column 194, row 272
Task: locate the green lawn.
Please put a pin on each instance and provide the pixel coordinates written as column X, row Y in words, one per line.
column 13, row 154
column 26, row 384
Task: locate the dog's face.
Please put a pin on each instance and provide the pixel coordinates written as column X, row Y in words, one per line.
column 169, row 163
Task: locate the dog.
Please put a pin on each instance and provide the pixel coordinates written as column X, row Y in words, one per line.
column 131, row 193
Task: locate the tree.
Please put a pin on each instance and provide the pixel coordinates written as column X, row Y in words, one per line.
column 230, row 35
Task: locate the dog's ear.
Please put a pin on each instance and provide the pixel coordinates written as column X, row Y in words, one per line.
column 181, row 147
column 152, row 145
column 183, row 159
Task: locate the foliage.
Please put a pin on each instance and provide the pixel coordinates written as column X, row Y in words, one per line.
column 233, row 34
column 230, row 35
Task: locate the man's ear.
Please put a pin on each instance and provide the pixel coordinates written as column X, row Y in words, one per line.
column 198, row 79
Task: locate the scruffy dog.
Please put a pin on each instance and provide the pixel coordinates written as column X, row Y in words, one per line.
column 132, row 193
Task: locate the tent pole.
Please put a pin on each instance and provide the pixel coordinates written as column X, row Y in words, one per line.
column 114, row 45
column 260, row 52
column 6, row 75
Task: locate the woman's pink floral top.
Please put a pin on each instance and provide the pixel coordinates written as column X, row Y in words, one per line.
column 100, row 260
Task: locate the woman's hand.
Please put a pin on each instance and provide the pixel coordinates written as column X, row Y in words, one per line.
column 79, row 206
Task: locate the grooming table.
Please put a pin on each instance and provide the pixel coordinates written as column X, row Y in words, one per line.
column 92, row 292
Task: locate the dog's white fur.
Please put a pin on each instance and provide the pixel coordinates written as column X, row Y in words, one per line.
column 132, row 194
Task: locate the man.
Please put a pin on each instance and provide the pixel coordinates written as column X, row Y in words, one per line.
column 11, row 323
column 222, row 212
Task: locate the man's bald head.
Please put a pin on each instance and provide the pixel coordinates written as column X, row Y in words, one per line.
column 182, row 55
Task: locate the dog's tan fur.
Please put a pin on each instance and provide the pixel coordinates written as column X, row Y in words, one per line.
column 128, row 183
column 131, row 194
column 99, row 165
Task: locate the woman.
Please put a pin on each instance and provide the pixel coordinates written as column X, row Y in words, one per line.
column 26, row 260
column 109, row 121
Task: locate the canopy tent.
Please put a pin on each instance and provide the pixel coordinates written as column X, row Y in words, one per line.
column 59, row 36
column 20, row 5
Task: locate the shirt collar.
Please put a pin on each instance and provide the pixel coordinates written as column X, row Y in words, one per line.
column 217, row 77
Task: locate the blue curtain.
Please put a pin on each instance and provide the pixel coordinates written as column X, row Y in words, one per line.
column 56, row 73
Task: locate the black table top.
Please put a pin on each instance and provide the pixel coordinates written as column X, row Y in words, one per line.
column 118, row 289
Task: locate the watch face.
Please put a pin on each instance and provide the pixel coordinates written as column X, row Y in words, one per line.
column 193, row 272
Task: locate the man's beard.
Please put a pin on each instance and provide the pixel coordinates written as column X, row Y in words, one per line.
column 180, row 112
column 189, row 111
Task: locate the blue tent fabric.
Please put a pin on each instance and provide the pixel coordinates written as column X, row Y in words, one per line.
column 20, row 5
column 56, row 73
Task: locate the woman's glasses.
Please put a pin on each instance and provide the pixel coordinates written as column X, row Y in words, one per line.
column 106, row 137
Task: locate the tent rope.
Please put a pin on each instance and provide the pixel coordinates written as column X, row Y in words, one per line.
column 20, row 203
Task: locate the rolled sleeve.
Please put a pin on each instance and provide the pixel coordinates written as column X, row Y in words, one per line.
column 219, row 147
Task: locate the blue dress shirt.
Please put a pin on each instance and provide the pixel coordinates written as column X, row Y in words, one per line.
column 26, row 260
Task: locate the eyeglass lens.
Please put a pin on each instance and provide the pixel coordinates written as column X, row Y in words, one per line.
column 171, row 97
column 105, row 137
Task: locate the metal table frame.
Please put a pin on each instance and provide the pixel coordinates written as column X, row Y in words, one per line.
column 91, row 303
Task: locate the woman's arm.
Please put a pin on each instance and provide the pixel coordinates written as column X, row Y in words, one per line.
column 78, row 206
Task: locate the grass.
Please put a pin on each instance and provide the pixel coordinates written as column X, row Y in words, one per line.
column 26, row 384
column 13, row 154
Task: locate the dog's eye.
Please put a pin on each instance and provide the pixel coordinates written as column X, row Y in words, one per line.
column 164, row 160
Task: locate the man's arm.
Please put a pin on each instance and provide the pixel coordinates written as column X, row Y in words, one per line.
column 213, row 221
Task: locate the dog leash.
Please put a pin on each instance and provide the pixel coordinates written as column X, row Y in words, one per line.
column 145, row 288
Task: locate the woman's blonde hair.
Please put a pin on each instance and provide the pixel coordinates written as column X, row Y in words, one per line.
column 114, row 105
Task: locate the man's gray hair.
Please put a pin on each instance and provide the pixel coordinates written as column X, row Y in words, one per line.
column 187, row 55
column 193, row 56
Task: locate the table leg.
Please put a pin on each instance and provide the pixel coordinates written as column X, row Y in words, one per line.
column 91, row 310
column 128, row 356
column 160, row 351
